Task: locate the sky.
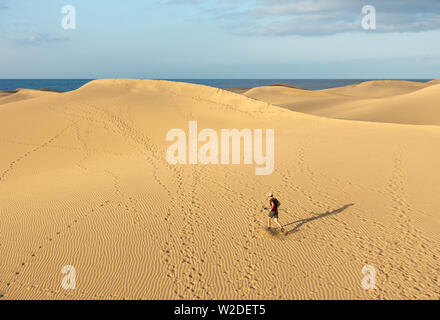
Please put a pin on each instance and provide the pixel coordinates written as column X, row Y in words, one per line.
column 227, row 39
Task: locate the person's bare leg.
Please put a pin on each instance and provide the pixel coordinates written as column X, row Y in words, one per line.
column 278, row 223
column 268, row 222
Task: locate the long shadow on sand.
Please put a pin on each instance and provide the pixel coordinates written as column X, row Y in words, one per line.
column 299, row 223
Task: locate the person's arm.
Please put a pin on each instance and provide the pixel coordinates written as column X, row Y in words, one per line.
column 272, row 203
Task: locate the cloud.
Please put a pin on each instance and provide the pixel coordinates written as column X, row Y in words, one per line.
column 40, row 39
column 318, row 17
column 3, row 6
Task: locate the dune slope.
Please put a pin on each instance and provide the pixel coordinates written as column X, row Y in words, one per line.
column 420, row 107
column 84, row 182
column 378, row 88
column 390, row 101
column 22, row 94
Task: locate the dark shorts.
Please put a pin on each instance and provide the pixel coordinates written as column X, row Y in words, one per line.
column 273, row 215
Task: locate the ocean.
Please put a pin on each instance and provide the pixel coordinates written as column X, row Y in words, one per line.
column 73, row 84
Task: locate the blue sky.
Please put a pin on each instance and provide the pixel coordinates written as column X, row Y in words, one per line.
column 220, row 39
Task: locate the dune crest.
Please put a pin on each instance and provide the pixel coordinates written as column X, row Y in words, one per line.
column 391, row 101
column 378, row 88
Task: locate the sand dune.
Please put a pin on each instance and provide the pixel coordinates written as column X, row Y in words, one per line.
column 435, row 81
column 84, row 182
column 22, row 94
column 418, row 107
column 378, row 88
column 244, row 90
column 389, row 101
column 307, row 101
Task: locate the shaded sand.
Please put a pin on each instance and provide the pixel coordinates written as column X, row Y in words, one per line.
column 435, row 81
column 84, row 182
column 238, row 90
column 389, row 101
column 244, row 90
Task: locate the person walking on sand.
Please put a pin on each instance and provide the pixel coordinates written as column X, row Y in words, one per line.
column 273, row 214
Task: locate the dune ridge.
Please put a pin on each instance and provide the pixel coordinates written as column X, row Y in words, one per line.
column 84, row 182
column 391, row 101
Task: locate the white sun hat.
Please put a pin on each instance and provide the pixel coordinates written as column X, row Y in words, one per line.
column 270, row 194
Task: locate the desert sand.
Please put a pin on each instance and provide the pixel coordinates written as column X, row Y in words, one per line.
column 84, row 182
column 390, row 101
column 22, row 94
